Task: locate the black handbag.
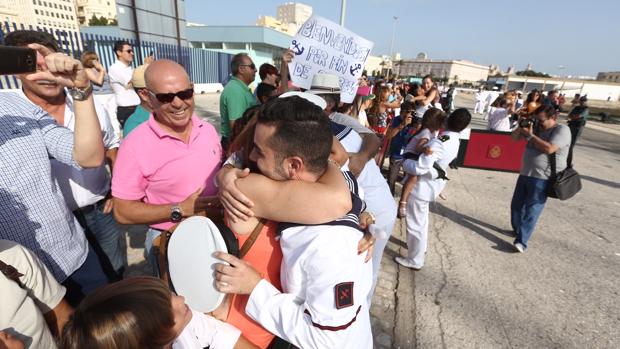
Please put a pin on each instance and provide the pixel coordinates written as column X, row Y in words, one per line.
column 565, row 184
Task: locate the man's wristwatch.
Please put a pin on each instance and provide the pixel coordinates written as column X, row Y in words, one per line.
column 175, row 213
column 81, row 94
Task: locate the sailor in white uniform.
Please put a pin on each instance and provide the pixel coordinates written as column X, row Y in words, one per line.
column 379, row 200
column 325, row 281
column 479, row 106
column 376, row 192
column 431, row 170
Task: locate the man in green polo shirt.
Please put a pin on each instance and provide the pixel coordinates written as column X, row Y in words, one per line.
column 236, row 97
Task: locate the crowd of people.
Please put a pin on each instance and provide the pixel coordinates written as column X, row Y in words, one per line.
column 295, row 174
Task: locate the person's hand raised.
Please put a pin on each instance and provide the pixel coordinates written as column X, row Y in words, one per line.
column 58, row 67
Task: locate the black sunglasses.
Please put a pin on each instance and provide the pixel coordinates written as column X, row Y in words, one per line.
column 129, row 51
column 169, row 97
column 252, row 66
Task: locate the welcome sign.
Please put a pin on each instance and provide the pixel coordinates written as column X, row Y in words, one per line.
column 322, row 46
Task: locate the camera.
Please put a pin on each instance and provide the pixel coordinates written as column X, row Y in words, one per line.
column 17, row 60
column 526, row 123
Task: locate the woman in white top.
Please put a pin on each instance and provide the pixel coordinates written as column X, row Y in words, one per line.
column 425, row 101
column 499, row 115
column 141, row 312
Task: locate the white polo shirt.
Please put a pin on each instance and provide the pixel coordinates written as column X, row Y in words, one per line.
column 120, row 75
column 83, row 187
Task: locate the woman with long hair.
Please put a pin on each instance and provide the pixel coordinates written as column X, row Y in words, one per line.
column 378, row 113
column 425, row 101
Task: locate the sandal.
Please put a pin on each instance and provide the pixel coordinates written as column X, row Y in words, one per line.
column 402, row 209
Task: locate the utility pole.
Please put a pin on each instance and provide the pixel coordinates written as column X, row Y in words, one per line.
column 392, row 46
column 343, row 8
column 393, row 34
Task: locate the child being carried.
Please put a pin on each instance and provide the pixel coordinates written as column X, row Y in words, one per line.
column 432, row 121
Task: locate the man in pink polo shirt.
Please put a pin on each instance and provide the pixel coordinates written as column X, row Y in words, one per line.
column 165, row 168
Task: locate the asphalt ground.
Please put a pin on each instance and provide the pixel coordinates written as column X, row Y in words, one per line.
column 477, row 292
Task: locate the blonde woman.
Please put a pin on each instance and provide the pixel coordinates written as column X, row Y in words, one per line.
column 102, row 91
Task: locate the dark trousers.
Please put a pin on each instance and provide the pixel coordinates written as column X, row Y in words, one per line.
column 575, row 132
column 123, row 113
column 85, row 280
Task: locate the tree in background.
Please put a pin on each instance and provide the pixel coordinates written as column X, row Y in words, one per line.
column 94, row 21
column 533, row 73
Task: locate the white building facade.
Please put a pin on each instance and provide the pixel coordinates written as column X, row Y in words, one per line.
column 48, row 14
column 458, row 71
column 99, row 8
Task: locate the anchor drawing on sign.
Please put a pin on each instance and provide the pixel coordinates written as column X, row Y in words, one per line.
column 296, row 50
column 354, row 70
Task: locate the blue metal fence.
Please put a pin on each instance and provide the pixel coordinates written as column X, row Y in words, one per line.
column 203, row 66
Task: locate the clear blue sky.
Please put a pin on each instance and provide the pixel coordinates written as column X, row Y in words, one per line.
column 581, row 35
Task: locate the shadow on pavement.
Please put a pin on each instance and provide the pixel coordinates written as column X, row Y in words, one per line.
column 474, row 224
column 606, row 183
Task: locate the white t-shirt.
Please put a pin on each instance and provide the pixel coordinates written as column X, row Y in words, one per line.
column 206, row 332
column 499, row 119
column 363, row 118
column 120, row 75
column 420, row 110
column 413, row 143
column 22, row 309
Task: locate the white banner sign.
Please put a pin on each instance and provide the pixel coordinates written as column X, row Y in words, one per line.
column 322, row 46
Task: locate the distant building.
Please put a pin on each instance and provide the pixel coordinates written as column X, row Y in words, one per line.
column 289, row 18
column 273, row 23
column 294, row 13
column 612, row 76
column 452, row 70
column 49, row 14
column 374, row 65
column 86, row 9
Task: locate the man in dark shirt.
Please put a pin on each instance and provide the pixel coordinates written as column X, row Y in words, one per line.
column 403, row 127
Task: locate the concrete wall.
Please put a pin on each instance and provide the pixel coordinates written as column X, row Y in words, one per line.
column 594, row 89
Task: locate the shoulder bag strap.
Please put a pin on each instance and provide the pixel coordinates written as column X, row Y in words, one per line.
column 11, row 273
column 552, row 156
column 252, row 239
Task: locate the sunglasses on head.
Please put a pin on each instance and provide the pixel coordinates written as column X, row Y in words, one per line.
column 169, row 97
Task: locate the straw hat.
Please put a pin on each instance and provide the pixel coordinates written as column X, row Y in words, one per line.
column 137, row 78
column 324, row 84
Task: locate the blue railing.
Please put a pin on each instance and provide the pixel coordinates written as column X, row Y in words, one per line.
column 203, row 66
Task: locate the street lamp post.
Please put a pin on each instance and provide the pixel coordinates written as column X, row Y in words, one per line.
column 392, row 45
